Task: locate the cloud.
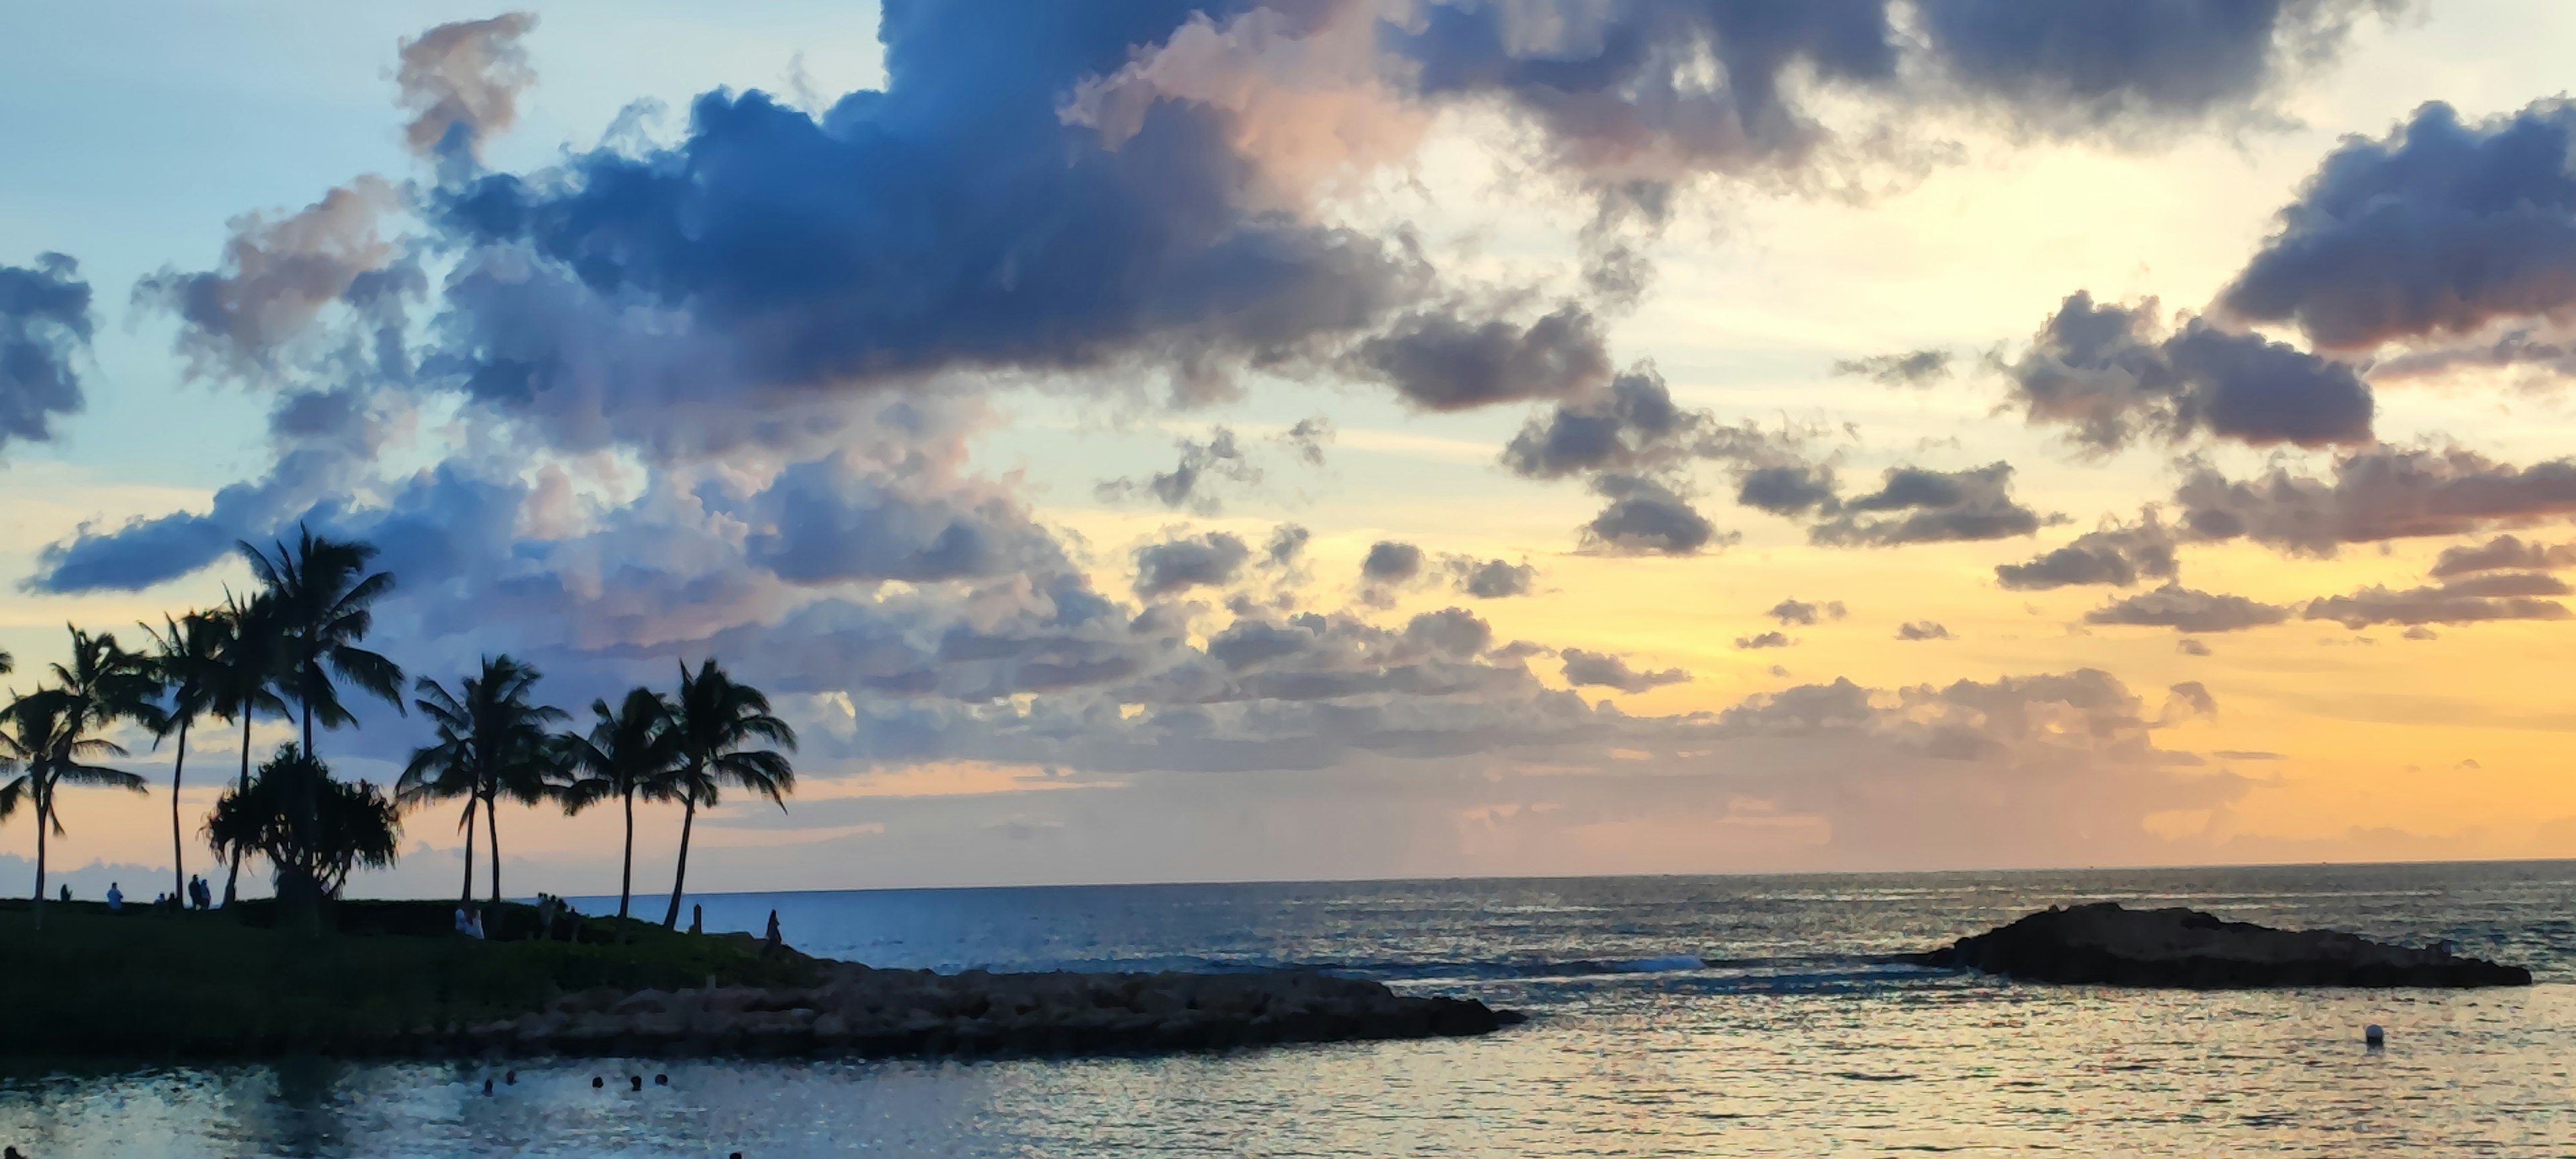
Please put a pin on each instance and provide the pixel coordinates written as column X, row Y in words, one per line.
column 2502, row 596
column 2504, row 553
column 1804, row 614
column 278, row 275
column 1764, row 640
column 1441, row 361
column 44, row 328
column 1220, row 457
column 2118, row 556
column 2190, row 647
column 1596, row 669
column 2373, row 495
column 835, row 521
column 1922, row 630
column 2109, row 375
column 1914, row 368
column 1634, row 426
column 1389, row 562
column 2186, row 610
column 1917, row 505
column 1177, row 565
column 2079, row 67
column 462, row 82
column 1491, row 579
column 1287, row 542
column 1789, row 489
column 1645, row 517
column 2436, row 232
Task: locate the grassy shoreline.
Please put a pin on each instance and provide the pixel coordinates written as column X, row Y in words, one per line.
column 162, row 984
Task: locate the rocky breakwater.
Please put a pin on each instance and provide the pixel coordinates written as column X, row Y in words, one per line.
column 2106, row 944
column 864, row 1012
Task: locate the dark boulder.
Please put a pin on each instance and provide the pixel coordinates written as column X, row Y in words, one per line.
column 2105, row 944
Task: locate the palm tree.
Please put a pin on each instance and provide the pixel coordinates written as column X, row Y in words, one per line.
column 320, row 592
column 186, row 657
column 354, row 822
column 242, row 685
column 43, row 746
column 492, row 742
column 716, row 725
column 629, row 752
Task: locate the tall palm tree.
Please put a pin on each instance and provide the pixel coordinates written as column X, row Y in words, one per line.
column 629, row 752
column 242, row 686
column 492, row 742
column 718, row 727
column 186, row 657
column 320, row 592
column 44, row 745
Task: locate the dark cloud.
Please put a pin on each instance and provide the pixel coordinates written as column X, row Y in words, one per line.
column 1177, row 565
column 2186, row 700
column 833, row 522
column 1916, row 505
column 1188, row 483
column 2109, row 375
column 1922, row 630
column 2420, row 632
column 1491, row 579
column 2504, row 553
column 44, row 329
column 2117, row 556
column 1764, row 640
column 1308, row 438
column 1915, row 368
column 1601, row 670
column 1646, row 517
column 1287, row 542
column 1635, row 425
column 1788, row 490
column 462, row 82
column 1389, row 562
column 1804, row 614
column 2502, row 596
column 2074, row 67
column 2186, row 610
column 2190, row 647
column 2434, row 232
column 2374, row 495
column 1441, row 361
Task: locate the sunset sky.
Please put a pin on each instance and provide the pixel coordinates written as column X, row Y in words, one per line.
column 1137, row 440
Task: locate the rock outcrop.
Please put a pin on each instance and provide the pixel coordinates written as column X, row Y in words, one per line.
column 864, row 1012
column 2105, row 944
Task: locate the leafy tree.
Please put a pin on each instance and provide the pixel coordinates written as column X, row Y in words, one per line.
column 492, row 742
column 629, row 752
column 311, row 828
column 319, row 593
column 44, row 745
column 719, row 727
column 187, row 658
column 242, row 683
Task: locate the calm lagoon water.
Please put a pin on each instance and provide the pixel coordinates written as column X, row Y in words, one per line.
column 1671, row 1016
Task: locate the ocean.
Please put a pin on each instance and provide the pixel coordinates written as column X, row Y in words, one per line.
column 1670, row 1016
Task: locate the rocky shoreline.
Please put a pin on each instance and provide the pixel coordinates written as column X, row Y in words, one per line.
column 857, row 1011
column 2105, row 944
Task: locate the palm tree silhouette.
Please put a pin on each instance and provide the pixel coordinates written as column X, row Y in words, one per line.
column 43, row 746
column 186, row 659
column 716, row 724
column 492, row 742
column 242, row 685
column 356, row 825
column 629, row 752
column 319, row 592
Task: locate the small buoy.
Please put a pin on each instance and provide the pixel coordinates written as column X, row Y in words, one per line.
column 661, row 1080
column 2372, row 1035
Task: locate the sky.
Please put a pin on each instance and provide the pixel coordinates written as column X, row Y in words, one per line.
column 1143, row 440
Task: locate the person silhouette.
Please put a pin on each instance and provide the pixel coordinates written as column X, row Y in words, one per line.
column 773, row 929
column 598, row 1083
column 661, row 1080
column 697, row 917
column 635, row 1082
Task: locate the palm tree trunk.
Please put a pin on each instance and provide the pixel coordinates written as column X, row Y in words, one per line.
column 44, row 824
column 232, row 878
column 680, row 875
column 492, row 824
column 626, row 873
column 466, row 896
column 178, row 852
